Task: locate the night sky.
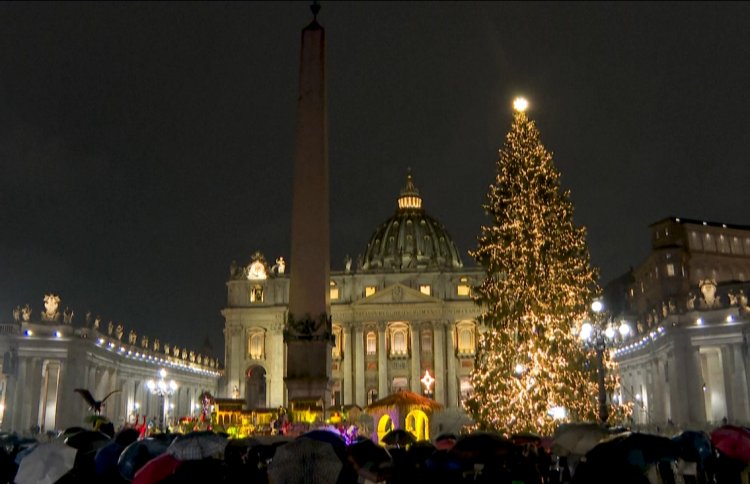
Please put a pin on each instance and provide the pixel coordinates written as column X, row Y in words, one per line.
column 145, row 146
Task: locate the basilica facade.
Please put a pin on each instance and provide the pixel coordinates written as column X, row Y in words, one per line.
column 402, row 318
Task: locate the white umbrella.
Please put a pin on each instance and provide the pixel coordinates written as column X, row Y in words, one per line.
column 46, row 464
column 577, row 438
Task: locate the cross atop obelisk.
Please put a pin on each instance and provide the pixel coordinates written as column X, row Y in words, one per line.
column 308, row 329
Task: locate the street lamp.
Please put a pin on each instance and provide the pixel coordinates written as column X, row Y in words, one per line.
column 598, row 336
column 164, row 389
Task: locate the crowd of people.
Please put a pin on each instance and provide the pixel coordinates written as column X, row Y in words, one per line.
column 576, row 454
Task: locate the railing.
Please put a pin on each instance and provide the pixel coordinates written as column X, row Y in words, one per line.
column 10, row 328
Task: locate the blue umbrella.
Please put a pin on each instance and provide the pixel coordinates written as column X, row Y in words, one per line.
column 694, row 446
column 138, row 453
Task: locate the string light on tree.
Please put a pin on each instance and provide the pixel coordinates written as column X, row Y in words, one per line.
column 531, row 371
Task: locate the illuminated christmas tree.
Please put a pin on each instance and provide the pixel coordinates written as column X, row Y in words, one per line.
column 531, row 370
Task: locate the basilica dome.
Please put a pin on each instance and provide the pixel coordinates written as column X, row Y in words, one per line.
column 410, row 239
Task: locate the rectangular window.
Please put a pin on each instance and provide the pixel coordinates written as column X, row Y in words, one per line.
column 670, row 270
column 736, row 246
column 723, row 244
column 695, row 241
column 372, row 343
column 370, row 290
column 463, row 290
column 425, row 289
column 709, row 245
column 399, row 383
column 427, row 342
column 334, row 291
column 465, row 386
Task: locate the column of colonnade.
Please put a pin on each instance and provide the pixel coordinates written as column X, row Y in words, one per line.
column 739, row 384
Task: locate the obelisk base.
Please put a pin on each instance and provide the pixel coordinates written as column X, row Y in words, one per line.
column 309, row 386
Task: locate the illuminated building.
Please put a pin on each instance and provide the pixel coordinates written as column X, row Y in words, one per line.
column 402, row 309
column 687, row 302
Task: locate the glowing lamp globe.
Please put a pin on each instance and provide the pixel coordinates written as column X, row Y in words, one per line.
column 520, row 104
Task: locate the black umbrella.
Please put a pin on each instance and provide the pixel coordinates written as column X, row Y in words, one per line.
column 482, row 447
column 370, row 460
column 398, row 438
column 87, row 440
column 626, row 457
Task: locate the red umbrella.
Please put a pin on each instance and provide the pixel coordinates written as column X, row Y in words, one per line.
column 732, row 441
column 157, row 469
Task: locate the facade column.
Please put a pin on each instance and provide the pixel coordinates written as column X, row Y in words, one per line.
column 360, row 398
column 21, row 388
column 348, row 394
column 382, row 361
column 452, row 374
column 238, row 358
column 275, row 387
column 438, row 331
column 416, row 370
column 32, row 400
column 738, row 411
column 685, row 379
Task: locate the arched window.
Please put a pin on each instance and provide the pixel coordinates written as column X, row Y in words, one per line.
column 256, row 294
column 372, row 343
column 255, row 345
column 465, row 339
column 465, row 387
column 399, row 333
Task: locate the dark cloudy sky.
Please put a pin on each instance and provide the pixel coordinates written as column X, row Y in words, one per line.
column 144, row 146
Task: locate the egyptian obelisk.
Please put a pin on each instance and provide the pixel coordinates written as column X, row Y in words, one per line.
column 308, row 329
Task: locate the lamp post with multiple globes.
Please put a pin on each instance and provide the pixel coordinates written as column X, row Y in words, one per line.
column 597, row 336
column 164, row 389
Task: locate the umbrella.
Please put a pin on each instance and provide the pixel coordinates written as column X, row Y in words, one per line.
column 87, row 440
column 633, row 449
column 445, row 441
column 694, row 446
column 46, row 464
column 419, row 453
column 370, row 460
column 398, row 438
column 305, row 461
column 732, row 441
column 526, row 438
column 198, row 445
column 157, row 469
column 482, row 447
column 577, row 438
column 332, row 437
column 138, row 453
column 11, row 441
